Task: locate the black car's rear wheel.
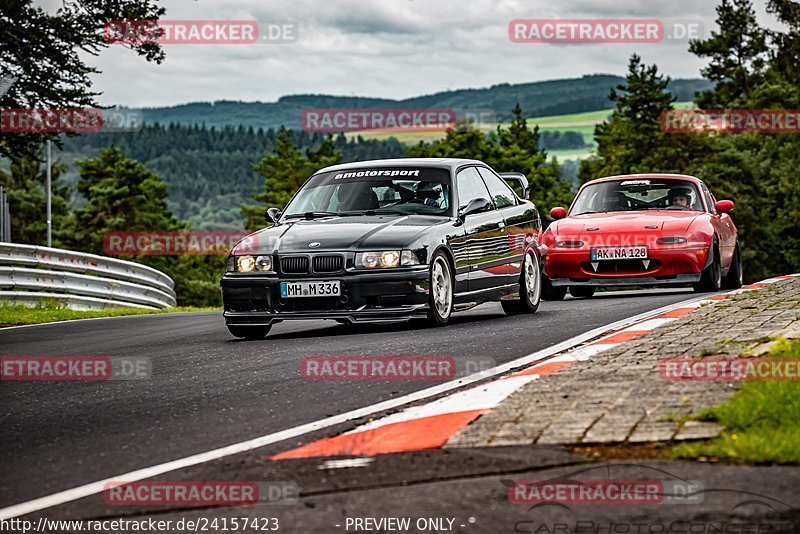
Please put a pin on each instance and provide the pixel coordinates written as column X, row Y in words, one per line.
column 582, row 292
column 440, row 294
column 249, row 332
column 711, row 278
column 530, row 288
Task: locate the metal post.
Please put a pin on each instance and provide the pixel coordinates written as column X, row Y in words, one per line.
column 7, row 209
column 49, row 202
column 4, row 215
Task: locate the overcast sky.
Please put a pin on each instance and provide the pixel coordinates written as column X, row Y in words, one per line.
column 386, row 48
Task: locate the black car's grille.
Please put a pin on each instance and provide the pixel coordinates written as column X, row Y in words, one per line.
column 328, row 264
column 294, row 265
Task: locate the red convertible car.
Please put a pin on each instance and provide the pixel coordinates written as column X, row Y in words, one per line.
column 641, row 230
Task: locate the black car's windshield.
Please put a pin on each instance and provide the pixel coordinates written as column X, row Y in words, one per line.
column 638, row 195
column 392, row 191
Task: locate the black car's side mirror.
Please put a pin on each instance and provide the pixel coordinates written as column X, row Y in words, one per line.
column 272, row 215
column 476, row 205
column 522, row 188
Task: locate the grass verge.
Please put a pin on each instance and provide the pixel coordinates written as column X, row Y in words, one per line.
column 761, row 421
column 47, row 312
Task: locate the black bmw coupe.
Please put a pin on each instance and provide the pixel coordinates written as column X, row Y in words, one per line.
column 388, row 240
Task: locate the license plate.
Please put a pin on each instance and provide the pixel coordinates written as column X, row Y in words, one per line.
column 619, row 253
column 310, row 289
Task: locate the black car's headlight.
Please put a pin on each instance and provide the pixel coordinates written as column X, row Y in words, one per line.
column 249, row 264
column 386, row 259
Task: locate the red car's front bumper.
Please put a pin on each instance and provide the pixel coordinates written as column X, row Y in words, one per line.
column 673, row 264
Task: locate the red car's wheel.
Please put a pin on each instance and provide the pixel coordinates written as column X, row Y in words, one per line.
column 735, row 276
column 582, row 292
column 711, row 279
column 549, row 292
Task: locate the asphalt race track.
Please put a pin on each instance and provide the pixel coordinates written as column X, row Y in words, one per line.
column 209, row 389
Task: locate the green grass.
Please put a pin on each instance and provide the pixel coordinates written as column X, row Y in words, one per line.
column 589, row 117
column 583, row 123
column 18, row 314
column 761, row 421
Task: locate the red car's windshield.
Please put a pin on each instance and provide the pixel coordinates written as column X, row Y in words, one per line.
column 636, row 195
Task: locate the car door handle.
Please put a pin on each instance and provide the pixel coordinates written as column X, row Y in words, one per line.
column 501, row 225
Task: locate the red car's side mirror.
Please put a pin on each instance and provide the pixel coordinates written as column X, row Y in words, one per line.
column 558, row 213
column 724, row 206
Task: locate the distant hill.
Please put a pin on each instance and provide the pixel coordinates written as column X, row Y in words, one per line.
column 538, row 99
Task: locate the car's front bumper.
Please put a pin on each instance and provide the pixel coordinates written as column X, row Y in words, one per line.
column 365, row 297
column 665, row 266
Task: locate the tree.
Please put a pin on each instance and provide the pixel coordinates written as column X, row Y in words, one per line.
column 284, row 171
column 464, row 140
column 121, row 194
column 737, row 54
column 512, row 149
column 632, row 140
column 48, row 52
column 520, row 151
column 27, row 200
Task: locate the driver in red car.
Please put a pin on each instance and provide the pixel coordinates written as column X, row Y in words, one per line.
column 680, row 196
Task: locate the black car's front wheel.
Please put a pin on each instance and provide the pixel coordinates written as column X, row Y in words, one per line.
column 530, row 288
column 440, row 295
column 249, row 332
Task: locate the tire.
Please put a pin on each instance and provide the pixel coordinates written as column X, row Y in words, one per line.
column 582, row 292
column 735, row 276
column 549, row 292
column 530, row 288
column 249, row 332
column 711, row 279
column 440, row 294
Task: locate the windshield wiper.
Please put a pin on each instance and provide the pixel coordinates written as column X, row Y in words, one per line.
column 311, row 215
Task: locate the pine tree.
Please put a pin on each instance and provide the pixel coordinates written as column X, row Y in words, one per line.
column 27, row 199
column 737, row 54
column 632, row 140
column 121, row 194
column 284, row 171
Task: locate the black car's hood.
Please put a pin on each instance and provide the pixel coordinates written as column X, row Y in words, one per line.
column 367, row 232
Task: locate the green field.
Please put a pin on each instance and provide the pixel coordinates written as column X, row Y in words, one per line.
column 761, row 422
column 48, row 312
column 583, row 123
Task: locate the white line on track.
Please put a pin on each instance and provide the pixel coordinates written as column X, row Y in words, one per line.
column 93, row 488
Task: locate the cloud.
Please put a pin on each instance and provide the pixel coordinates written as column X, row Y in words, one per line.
column 385, row 48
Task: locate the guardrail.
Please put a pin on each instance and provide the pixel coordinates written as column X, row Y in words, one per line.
column 31, row 274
